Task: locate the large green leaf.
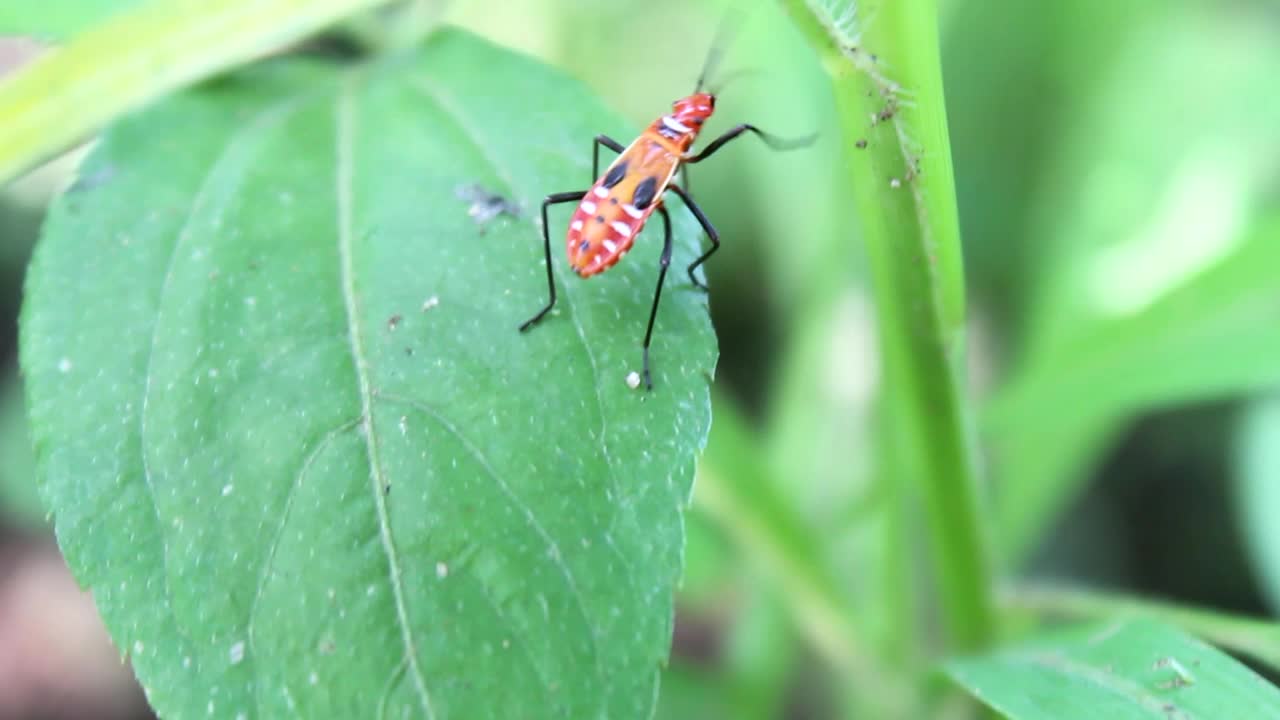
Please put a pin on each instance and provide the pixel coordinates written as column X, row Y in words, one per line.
column 1114, row 671
column 292, row 439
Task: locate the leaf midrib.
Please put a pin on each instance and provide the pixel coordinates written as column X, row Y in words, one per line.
column 344, row 125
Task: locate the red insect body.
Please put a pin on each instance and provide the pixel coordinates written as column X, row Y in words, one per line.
column 615, row 209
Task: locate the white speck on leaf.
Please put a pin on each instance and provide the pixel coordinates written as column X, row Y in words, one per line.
column 430, row 303
column 64, row 365
column 213, row 372
column 313, row 678
column 226, row 489
column 138, row 647
column 237, row 653
column 633, row 380
column 442, row 570
column 251, row 301
column 370, row 590
column 186, row 661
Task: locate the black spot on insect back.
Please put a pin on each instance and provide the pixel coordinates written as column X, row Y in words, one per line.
column 644, row 193
column 615, row 175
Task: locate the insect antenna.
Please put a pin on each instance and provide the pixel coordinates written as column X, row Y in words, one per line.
column 725, row 33
column 727, row 78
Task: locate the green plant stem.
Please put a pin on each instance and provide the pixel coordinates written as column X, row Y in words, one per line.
column 887, row 79
column 137, row 56
column 1259, row 639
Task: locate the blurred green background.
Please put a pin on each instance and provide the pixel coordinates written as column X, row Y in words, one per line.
column 1118, row 179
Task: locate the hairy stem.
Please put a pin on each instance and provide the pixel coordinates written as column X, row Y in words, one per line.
column 885, row 70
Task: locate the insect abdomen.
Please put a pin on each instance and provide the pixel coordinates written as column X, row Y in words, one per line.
column 615, row 209
column 601, row 232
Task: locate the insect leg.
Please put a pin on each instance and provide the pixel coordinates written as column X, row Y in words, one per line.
column 706, row 225
column 608, row 142
column 774, row 142
column 663, row 262
column 553, row 199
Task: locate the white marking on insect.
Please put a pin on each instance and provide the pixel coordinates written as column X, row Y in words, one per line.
column 610, row 245
column 621, row 228
column 601, row 193
column 575, row 225
column 675, row 124
column 588, row 207
column 633, row 211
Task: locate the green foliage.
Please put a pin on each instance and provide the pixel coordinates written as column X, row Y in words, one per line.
column 298, row 453
column 1258, row 492
column 135, row 57
column 1158, row 243
column 291, row 437
column 18, row 497
column 57, row 20
column 1254, row 638
column 1115, row 671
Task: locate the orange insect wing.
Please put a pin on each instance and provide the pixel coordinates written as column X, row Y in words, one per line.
column 606, row 222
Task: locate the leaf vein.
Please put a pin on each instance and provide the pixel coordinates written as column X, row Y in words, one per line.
column 249, row 130
column 345, row 130
column 552, row 546
column 269, row 561
column 426, row 88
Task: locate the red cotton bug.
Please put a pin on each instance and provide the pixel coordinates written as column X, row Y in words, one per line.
column 613, row 211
